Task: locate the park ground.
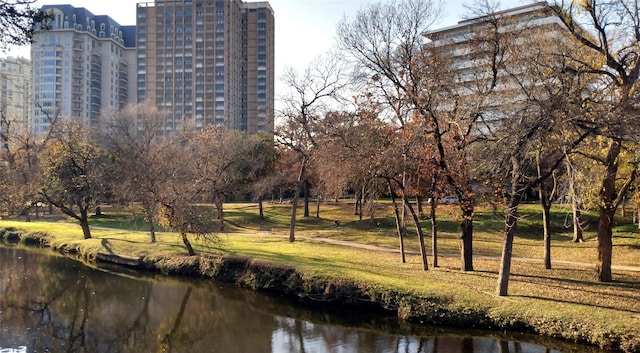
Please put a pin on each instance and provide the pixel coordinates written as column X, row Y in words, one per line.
column 340, row 259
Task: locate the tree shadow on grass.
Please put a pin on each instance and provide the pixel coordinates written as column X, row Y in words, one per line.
column 590, row 291
column 105, row 244
column 556, row 300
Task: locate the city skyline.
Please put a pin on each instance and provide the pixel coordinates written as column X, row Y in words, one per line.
column 296, row 21
column 202, row 63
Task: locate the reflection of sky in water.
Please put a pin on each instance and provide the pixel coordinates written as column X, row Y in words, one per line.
column 301, row 336
column 21, row 349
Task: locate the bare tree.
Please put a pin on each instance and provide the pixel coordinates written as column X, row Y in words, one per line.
column 418, row 82
column 181, row 191
column 310, row 96
column 227, row 162
column 536, row 127
column 20, row 152
column 134, row 134
column 373, row 150
column 18, row 20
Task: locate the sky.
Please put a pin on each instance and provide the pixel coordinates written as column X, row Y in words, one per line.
column 305, row 29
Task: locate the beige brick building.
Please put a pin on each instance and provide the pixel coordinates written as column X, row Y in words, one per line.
column 207, row 62
column 15, row 80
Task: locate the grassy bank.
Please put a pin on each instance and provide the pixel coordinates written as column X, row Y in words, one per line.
column 564, row 302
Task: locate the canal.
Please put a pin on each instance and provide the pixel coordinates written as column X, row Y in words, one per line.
column 51, row 303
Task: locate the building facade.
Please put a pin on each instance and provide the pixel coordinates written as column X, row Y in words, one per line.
column 15, row 80
column 81, row 68
column 207, row 63
column 472, row 61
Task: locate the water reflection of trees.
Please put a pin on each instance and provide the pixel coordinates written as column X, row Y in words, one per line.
column 299, row 336
column 55, row 305
column 78, row 309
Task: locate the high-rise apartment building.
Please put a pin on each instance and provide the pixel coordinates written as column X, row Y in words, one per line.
column 471, row 61
column 207, row 63
column 15, row 80
column 81, row 68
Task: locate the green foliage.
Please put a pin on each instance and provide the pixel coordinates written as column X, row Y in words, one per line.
column 76, row 172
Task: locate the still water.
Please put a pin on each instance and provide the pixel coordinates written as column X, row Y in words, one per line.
column 50, row 303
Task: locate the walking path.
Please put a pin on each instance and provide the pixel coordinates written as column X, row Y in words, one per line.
column 520, row 259
column 410, row 252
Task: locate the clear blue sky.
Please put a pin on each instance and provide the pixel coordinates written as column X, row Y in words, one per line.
column 304, row 28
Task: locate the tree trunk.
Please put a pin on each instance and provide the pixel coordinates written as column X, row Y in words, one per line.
column 187, row 244
column 221, row 216
column 416, row 221
column 306, row 198
column 396, row 213
column 294, row 211
column 434, row 231
column 546, row 225
column 152, row 226
column 318, row 205
column 294, row 205
column 84, row 222
column 607, row 213
column 511, row 222
column 575, row 204
column 577, row 225
column 605, row 245
column 261, row 208
column 545, row 196
column 466, row 239
column 149, row 209
column 467, row 344
column 219, row 203
column 419, row 200
column 507, row 249
column 372, row 209
column 494, row 209
column 361, row 204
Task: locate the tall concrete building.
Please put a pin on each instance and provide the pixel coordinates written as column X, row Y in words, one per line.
column 15, row 80
column 207, row 63
column 471, row 60
column 81, row 68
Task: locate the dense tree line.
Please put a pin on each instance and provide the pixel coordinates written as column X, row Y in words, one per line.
column 75, row 170
column 387, row 113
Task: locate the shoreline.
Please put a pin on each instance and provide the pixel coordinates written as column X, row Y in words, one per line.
column 285, row 280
